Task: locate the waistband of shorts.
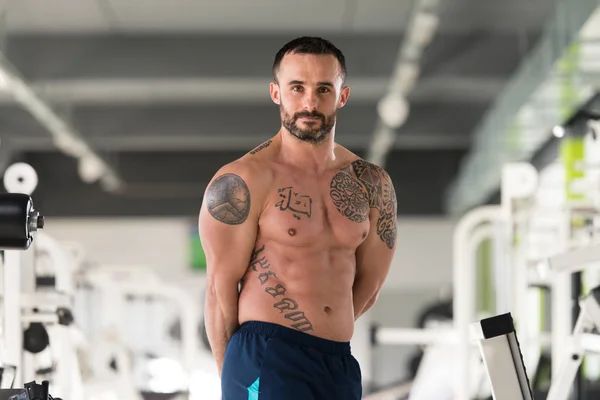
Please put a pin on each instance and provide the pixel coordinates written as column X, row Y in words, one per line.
column 291, row 335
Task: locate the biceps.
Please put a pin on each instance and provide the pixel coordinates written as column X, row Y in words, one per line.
column 228, row 223
column 228, row 248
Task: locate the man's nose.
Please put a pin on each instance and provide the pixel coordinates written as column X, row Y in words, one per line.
column 310, row 101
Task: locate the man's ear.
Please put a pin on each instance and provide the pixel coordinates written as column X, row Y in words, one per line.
column 344, row 95
column 275, row 93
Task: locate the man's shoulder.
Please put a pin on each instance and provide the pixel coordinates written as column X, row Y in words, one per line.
column 247, row 169
column 377, row 182
column 259, row 158
column 359, row 164
column 367, row 170
column 253, row 172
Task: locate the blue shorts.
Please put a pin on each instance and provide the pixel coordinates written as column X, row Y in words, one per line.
column 266, row 361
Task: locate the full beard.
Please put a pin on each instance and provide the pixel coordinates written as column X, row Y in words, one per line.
column 315, row 132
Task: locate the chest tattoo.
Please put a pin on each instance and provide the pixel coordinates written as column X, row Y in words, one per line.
column 299, row 205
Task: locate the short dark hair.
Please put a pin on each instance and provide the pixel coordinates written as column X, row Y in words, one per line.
column 309, row 45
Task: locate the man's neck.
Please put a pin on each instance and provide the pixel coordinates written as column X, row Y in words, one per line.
column 309, row 156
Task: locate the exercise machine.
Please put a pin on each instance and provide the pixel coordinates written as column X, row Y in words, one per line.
column 503, row 359
column 31, row 391
column 19, row 220
column 450, row 358
column 154, row 325
column 499, row 345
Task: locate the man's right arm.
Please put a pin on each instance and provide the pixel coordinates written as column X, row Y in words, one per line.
column 228, row 225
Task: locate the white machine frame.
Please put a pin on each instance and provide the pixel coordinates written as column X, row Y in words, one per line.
column 580, row 343
column 505, row 371
column 20, row 292
column 116, row 282
column 28, row 305
column 502, row 357
column 519, row 181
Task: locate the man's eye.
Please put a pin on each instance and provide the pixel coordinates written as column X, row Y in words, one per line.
column 324, row 90
column 297, row 88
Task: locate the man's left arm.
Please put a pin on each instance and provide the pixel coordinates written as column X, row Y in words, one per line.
column 374, row 255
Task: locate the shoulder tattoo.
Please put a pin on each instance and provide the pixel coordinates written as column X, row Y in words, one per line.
column 362, row 186
column 349, row 197
column 261, row 147
column 228, row 199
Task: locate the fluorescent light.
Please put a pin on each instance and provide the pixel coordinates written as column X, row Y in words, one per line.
column 90, row 168
column 423, row 30
column 558, row 131
column 5, row 80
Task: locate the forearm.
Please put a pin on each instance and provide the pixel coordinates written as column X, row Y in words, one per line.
column 364, row 298
column 221, row 318
column 360, row 311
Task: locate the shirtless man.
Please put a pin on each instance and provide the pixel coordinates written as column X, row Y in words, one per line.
column 299, row 235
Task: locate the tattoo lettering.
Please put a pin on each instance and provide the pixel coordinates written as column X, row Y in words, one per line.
column 301, row 323
column 256, row 262
column 262, row 146
column 349, row 197
column 261, row 262
column 299, row 205
column 256, row 252
column 264, row 277
column 228, row 199
column 278, row 290
column 354, row 202
column 285, row 304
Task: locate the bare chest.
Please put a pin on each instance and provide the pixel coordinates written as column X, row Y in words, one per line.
column 329, row 211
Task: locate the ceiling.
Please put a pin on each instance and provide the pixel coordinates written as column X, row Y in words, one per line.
column 168, row 91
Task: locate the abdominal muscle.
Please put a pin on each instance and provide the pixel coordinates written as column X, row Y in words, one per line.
column 313, row 295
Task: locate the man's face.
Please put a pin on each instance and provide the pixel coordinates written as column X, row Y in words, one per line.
column 309, row 92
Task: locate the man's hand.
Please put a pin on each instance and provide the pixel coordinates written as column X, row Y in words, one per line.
column 228, row 225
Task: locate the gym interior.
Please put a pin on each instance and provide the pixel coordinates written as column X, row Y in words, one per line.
column 116, row 114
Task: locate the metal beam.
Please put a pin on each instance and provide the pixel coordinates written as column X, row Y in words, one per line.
column 43, row 58
column 234, row 142
column 393, row 108
column 150, row 91
column 225, row 120
column 159, row 55
column 92, row 166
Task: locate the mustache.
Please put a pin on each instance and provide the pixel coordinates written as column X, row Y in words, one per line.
column 308, row 114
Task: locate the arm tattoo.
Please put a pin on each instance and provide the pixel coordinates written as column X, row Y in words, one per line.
column 352, row 201
column 228, row 199
column 259, row 263
column 386, row 224
column 261, row 146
